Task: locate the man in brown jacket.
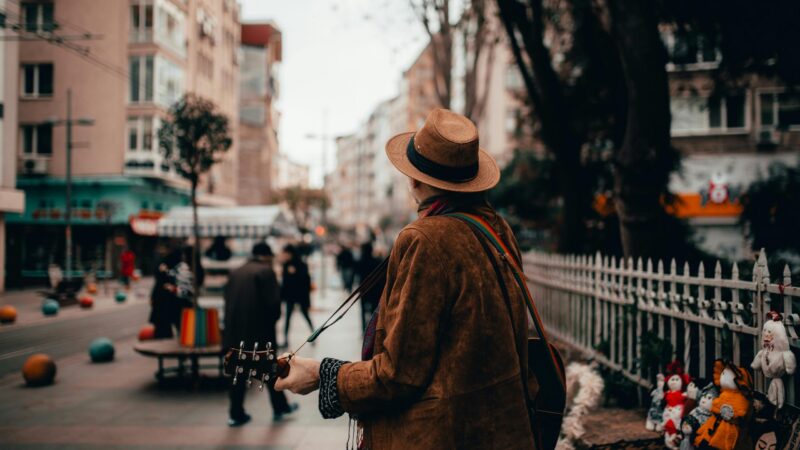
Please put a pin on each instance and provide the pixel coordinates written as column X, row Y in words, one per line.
column 444, row 370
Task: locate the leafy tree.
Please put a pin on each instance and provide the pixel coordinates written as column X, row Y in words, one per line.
column 595, row 78
column 193, row 138
column 300, row 201
column 479, row 40
column 573, row 86
column 772, row 210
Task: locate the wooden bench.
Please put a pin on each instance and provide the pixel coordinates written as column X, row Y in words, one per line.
column 171, row 349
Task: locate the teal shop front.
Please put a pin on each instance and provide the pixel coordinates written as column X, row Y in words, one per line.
column 103, row 209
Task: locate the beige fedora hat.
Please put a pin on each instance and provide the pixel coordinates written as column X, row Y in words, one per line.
column 445, row 154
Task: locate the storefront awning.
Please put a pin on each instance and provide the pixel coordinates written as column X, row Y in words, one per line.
column 228, row 221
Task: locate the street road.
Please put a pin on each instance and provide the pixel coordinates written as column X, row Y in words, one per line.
column 62, row 338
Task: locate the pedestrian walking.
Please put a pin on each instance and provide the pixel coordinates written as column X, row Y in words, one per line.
column 345, row 262
column 165, row 305
column 127, row 267
column 441, row 366
column 252, row 308
column 367, row 262
column 295, row 287
column 219, row 250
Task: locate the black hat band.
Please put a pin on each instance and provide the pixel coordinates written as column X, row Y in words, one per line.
column 439, row 171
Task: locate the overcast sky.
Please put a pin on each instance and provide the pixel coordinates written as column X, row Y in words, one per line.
column 339, row 56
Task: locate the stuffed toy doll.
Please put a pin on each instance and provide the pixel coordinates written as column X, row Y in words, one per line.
column 698, row 416
column 775, row 358
column 675, row 403
column 673, row 414
column 654, row 414
column 729, row 411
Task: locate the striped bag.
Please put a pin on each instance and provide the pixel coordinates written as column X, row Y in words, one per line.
column 200, row 327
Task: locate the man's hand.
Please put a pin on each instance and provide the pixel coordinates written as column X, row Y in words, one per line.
column 303, row 376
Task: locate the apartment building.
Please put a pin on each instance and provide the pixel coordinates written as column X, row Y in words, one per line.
column 12, row 200
column 261, row 47
column 289, row 174
column 727, row 140
column 119, row 64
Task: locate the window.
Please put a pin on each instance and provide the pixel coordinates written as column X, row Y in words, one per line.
column 781, row 110
column 690, row 48
column 141, row 22
column 38, row 16
column 141, row 134
column 169, row 82
column 169, row 27
column 37, row 80
column 37, row 140
column 695, row 114
column 141, row 72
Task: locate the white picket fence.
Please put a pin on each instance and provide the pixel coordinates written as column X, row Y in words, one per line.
column 600, row 302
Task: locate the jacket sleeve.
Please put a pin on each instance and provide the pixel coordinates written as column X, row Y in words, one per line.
column 411, row 315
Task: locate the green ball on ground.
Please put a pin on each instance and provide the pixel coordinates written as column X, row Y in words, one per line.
column 120, row 296
column 50, row 307
column 101, row 350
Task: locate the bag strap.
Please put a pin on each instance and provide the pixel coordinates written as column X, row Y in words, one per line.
column 515, row 265
column 507, row 300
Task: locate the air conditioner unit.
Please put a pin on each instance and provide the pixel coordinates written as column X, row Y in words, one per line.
column 768, row 138
column 33, row 166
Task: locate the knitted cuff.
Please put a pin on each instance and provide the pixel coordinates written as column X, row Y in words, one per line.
column 329, row 404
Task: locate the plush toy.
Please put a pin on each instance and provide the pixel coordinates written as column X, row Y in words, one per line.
column 675, row 403
column 654, row 414
column 775, row 358
column 698, row 415
column 673, row 414
column 722, row 430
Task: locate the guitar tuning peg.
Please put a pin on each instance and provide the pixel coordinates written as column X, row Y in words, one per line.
column 249, row 383
column 236, row 373
column 256, row 357
column 241, row 350
column 263, row 379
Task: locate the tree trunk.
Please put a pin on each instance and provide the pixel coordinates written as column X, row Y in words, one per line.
column 645, row 160
column 196, row 246
column 545, row 94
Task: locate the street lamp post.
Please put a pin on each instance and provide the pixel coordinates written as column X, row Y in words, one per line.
column 324, row 206
column 68, row 122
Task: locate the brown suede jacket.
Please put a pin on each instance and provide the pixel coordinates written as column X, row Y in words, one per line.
column 446, row 373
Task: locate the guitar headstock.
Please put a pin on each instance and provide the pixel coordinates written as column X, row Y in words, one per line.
column 262, row 365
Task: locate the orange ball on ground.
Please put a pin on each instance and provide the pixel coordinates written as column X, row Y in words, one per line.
column 147, row 332
column 8, row 314
column 39, row 370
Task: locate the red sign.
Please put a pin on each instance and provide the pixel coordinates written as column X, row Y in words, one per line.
column 144, row 227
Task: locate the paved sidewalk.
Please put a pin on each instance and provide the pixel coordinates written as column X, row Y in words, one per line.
column 118, row 405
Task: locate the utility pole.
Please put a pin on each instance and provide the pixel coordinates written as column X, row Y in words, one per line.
column 68, row 122
column 324, row 206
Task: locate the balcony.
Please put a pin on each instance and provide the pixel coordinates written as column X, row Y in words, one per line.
column 146, row 164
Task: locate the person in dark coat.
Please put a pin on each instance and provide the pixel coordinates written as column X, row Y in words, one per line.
column 296, row 287
column 367, row 262
column 252, row 308
column 219, row 250
column 345, row 262
column 165, row 306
